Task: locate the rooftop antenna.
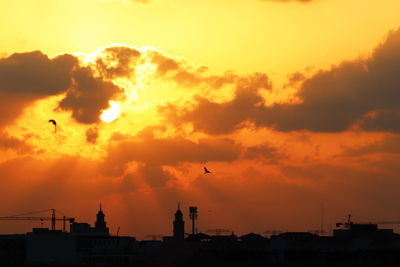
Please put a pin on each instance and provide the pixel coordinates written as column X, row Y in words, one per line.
column 347, row 224
column 322, row 218
column 53, row 219
column 193, row 217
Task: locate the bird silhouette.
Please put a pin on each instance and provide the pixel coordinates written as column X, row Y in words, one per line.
column 55, row 125
column 206, row 170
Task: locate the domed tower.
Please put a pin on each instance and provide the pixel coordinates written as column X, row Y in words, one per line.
column 100, row 225
column 179, row 225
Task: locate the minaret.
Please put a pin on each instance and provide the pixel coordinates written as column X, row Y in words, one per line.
column 179, row 225
column 100, row 225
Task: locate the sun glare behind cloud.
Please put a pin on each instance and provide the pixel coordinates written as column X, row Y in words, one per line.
column 111, row 113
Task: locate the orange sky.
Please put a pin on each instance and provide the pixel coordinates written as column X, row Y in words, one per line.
column 288, row 103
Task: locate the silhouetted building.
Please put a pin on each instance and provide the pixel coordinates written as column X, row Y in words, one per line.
column 50, row 247
column 252, row 237
column 199, row 237
column 179, row 225
column 12, row 250
column 354, row 245
column 367, row 230
column 105, row 250
column 81, row 228
column 224, row 238
column 100, row 225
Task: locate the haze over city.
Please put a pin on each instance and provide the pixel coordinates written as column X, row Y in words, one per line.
column 288, row 104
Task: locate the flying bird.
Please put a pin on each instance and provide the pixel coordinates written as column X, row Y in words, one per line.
column 206, row 170
column 55, row 125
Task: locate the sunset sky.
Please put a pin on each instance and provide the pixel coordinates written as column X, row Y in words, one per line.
column 289, row 103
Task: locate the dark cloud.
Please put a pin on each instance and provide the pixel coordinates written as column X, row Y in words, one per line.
column 155, row 176
column 117, row 61
column 92, row 134
column 8, row 142
column 311, row 172
column 88, row 96
column 386, row 120
column 151, row 154
column 35, row 73
column 155, row 152
column 169, row 68
column 129, row 183
column 335, row 99
column 331, row 100
column 186, row 75
column 26, row 77
column 265, row 153
column 389, row 144
column 169, row 151
column 295, row 78
column 216, row 118
column 164, row 64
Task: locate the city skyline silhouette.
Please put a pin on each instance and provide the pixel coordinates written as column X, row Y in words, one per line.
column 350, row 244
column 260, row 117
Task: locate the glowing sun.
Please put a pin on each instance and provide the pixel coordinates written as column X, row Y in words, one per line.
column 111, row 113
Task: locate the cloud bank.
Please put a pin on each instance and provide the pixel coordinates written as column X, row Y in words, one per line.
column 27, row 77
column 362, row 92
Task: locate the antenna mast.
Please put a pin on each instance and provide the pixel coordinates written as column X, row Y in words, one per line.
column 322, row 218
column 193, row 217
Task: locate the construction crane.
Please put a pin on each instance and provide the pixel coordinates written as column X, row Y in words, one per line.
column 52, row 218
column 347, row 224
column 218, row 231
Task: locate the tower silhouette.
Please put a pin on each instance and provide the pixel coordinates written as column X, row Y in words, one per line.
column 100, row 225
column 193, row 217
column 179, row 225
